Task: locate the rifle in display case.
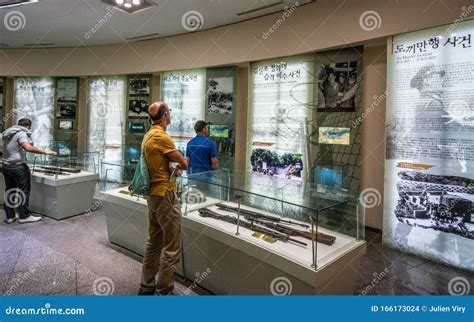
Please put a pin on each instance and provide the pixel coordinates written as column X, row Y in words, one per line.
column 257, row 215
column 207, row 213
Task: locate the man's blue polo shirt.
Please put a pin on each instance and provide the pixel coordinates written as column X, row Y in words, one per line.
column 200, row 150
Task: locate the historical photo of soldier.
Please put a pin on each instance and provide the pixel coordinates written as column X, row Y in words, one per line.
column 429, row 81
column 66, row 110
column 443, row 203
column 337, row 87
column 139, row 86
column 137, row 108
column 220, row 95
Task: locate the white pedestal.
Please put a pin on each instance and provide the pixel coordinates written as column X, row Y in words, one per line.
column 61, row 197
column 224, row 263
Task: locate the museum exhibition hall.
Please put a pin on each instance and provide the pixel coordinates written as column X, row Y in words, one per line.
column 343, row 132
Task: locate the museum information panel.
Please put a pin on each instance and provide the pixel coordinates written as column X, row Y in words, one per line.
column 429, row 176
column 281, row 95
column 34, row 98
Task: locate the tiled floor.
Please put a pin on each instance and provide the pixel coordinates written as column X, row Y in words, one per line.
column 385, row 271
column 74, row 257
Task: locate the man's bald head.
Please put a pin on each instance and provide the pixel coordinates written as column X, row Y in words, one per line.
column 157, row 110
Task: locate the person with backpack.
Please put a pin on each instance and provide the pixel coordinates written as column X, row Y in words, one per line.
column 163, row 246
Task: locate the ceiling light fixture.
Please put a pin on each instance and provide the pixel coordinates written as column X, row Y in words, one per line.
column 130, row 6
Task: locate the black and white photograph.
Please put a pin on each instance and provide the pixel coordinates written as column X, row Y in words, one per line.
column 439, row 202
column 337, row 87
column 220, row 95
column 66, row 89
column 139, row 86
column 66, row 110
column 66, row 125
column 137, row 108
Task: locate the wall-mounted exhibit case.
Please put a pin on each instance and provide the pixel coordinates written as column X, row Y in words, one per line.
column 61, row 186
column 429, row 178
column 252, row 234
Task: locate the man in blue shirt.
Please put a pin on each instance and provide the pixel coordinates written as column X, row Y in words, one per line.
column 200, row 151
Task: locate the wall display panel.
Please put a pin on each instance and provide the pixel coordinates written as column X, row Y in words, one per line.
column 106, row 114
column 34, row 97
column 185, row 93
column 429, row 179
column 345, row 63
column 67, row 95
column 281, row 94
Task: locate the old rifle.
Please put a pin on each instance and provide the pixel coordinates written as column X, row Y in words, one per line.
column 204, row 212
column 257, row 215
column 320, row 237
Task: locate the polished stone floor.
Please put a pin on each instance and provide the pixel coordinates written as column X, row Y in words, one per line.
column 74, row 257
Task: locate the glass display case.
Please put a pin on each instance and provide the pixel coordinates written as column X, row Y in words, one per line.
column 63, row 165
column 250, row 229
column 289, row 217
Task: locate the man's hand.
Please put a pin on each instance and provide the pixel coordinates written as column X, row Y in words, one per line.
column 176, row 156
column 50, row 152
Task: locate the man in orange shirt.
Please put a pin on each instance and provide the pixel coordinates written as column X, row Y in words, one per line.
column 163, row 247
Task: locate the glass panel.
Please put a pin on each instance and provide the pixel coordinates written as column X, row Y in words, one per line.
column 300, row 194
column 297, row 220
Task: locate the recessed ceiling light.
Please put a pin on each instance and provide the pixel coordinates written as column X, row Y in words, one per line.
column 129, row 6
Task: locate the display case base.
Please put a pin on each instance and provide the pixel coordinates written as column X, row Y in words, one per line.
column 60, row 197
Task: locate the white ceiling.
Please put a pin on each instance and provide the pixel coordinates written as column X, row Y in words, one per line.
column 69, row 23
